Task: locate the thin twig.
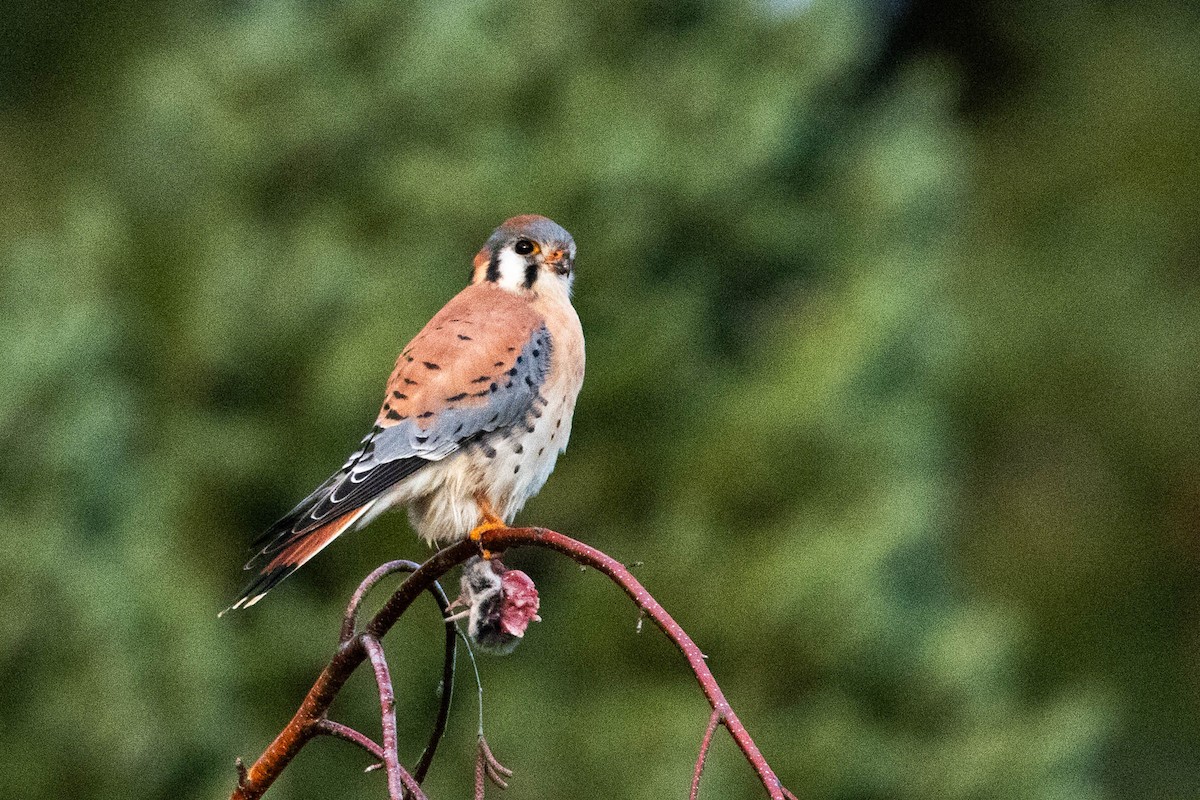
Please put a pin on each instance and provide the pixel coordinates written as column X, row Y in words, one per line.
column 350, row 618
column 398, row 777
column 348, row 734
column 478, row 681
column 498, row 540
column 446, row 689
column 480, row 783
column 487, row 766
column 299, row 730
column 495, row 770
column 351, row 653
column 713, row 721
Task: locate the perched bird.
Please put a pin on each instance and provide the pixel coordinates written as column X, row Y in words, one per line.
column 475, row 414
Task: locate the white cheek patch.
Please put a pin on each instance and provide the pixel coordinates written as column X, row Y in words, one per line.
column 512, row 270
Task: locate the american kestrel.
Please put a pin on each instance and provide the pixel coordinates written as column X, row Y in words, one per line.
column 475, row 414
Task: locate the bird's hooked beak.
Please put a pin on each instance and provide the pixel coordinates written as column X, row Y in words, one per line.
column 560, row 261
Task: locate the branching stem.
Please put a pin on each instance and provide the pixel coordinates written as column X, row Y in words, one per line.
column 354, row 648
column 348, row 734
column 713, row 721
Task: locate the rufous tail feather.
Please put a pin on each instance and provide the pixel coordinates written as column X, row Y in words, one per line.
column 294, row 556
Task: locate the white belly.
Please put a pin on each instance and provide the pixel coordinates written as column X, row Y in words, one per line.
column 508, row 467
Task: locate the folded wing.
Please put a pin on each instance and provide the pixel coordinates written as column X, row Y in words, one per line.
column 477, row 367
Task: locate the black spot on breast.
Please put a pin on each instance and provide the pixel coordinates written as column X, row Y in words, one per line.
column 420, row 439
column 529, row 381
column 409, row 382
column 512, row 349
column 426, row 415
column 512, row 371
column 541, row 450
column 484, row 393
column 482, row 379
column 456, row 397
column 400, row 396
column 508, row 385
column 465, row 338
column 516, row 469
column 536, row 353
column 489, row 451
column 494, row 387
column 520, row 359
column 558, row 424
column 409, row 358
column 530, row 429
column 519, row 448
column 430, row 365
column 393, row 415
column 536, row 412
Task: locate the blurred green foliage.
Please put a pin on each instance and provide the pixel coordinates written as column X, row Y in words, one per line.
column 892, row 384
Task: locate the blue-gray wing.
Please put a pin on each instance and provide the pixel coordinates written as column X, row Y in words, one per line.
column 466, row 375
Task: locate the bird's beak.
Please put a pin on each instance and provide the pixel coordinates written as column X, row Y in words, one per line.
column 561, row 261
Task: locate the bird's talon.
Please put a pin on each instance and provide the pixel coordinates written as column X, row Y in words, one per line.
column 487, row 525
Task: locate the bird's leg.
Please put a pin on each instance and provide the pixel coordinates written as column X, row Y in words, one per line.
column 491, row 521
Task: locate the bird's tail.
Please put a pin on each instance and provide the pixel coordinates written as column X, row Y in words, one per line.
column 292, row 556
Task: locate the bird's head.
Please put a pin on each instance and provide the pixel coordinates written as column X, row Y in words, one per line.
column 528, row 253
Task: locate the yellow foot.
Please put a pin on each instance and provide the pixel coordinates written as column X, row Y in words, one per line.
column 489, row 523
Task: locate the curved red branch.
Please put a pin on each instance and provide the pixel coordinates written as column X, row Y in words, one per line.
column 353, row 651
column 302, row 726
column 446, row 693
column 500, row 540
column 397, row 777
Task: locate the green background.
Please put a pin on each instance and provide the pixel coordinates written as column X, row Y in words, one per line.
column 892, row 316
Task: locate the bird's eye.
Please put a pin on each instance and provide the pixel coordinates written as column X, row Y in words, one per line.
column 524, row 247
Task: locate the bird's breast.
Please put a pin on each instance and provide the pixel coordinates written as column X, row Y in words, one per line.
column 527, row 453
